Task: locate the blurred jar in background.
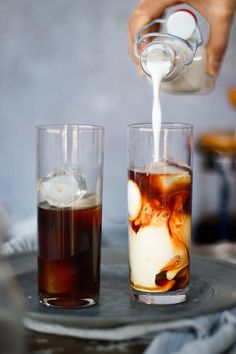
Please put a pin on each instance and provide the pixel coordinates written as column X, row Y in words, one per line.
column 217, row 189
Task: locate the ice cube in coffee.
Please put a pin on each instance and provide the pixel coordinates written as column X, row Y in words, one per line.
column 69, row 239
column 159, row 208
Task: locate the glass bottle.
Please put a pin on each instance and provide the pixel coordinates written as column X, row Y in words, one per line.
column 178, row 41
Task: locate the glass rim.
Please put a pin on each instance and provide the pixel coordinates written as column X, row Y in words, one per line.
column 147, row 127
column 70, row 126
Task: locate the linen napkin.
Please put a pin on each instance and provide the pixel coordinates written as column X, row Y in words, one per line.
column 212, row 334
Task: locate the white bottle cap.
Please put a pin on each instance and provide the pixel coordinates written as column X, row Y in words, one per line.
column 182, row 23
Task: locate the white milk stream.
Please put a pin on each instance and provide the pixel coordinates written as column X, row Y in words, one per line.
column 157, row 69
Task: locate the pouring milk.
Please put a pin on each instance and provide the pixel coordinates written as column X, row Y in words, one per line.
column 174, row 58
column 157, row 69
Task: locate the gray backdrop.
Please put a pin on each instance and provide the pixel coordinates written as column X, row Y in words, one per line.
column 66, row 61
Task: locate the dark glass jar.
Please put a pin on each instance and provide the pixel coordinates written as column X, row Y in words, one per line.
column 217, row 188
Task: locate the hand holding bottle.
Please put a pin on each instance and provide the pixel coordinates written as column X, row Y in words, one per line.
column 219, row 14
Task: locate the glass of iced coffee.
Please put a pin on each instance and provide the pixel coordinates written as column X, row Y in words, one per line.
column 159, row 212
column 69, row 189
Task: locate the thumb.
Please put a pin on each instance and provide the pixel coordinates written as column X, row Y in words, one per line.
column 220, row 24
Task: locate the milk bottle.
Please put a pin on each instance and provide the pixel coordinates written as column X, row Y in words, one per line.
column 180, row 42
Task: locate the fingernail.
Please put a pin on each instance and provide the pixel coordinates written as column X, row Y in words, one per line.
column 215, row 68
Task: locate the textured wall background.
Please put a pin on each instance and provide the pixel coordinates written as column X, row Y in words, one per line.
column 66, row 61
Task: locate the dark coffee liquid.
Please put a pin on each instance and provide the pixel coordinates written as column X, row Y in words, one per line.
column 69, row 243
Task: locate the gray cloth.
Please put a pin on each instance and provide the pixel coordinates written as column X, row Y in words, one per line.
column 213, row 334
column 21, row 237
column 217, row 336
column 20, row 244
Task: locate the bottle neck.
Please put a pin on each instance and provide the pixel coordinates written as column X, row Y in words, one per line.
column 157, row 52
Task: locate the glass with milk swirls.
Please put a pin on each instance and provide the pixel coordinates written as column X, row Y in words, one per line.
column 159, row 212
column 69, row 188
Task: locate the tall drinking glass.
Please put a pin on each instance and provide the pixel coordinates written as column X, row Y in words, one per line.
column 159, row 212
column 69, row 187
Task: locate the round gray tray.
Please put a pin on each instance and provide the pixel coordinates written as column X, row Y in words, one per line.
column 213, row 288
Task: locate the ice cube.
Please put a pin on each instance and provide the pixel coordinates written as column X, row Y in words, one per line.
column 169, row 177
column 62, row 186
column 134, row 200
column 172, row 182
column 88, row 200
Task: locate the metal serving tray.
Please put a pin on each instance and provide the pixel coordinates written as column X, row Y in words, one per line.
column 213, row 288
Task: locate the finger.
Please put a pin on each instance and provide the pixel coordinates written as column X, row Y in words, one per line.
column 220, row 23
column 145, row 12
